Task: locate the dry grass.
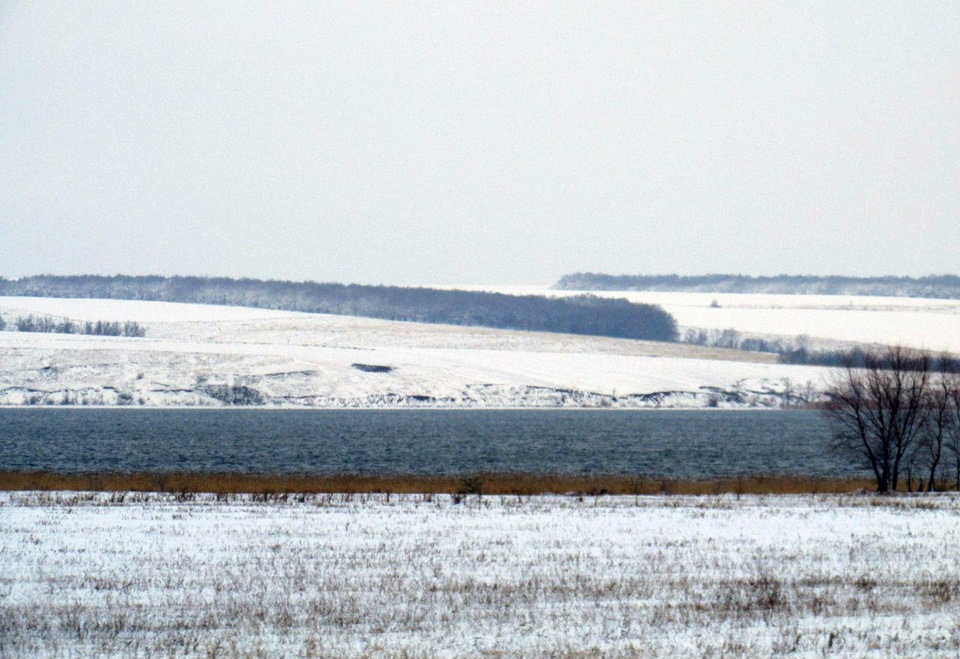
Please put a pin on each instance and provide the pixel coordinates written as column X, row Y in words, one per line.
column 235, row 483
column 343, row 575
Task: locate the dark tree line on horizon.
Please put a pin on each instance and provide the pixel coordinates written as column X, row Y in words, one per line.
column 939, row 286
column 587, row 315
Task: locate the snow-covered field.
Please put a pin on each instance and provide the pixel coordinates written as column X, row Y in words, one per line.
column 215, row 355
column 417, row 576
column 918, row 323
column 210, row 355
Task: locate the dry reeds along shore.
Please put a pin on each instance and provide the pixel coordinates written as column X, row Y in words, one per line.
column 523, row 484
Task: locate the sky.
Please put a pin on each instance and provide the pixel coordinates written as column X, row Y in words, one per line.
column 479, row 142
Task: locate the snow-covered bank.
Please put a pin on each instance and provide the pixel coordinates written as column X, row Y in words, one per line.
column 210, row 355
column 362, row 575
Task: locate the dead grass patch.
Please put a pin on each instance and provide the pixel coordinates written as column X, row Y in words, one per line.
column 519, row 484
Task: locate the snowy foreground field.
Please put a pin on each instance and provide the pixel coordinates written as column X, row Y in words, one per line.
column 214, row 356
column 335, row 575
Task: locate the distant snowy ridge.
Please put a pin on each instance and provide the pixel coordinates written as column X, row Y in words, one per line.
column 825, row 321
column 942, row 286
column 215, row 356
column 588, row 315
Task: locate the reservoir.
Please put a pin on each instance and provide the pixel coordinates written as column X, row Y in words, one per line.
column 647, row 443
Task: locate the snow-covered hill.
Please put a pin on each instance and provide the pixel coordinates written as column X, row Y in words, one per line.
column 213, row 355
column 826, row 319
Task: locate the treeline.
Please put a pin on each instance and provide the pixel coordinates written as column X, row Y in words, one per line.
column 48, row 325
column 588, row 315
column 799, row 351
column 943, row 286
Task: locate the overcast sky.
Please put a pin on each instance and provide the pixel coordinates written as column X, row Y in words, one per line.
column 444, row 143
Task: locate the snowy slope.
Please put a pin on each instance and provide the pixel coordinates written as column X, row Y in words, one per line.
column 132, row 310
column 918, row 323
column 211, row 355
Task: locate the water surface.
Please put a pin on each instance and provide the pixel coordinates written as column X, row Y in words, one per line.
column 661, row 443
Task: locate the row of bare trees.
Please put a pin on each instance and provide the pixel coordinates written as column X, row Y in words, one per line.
column 53, row 325
column 900, row 416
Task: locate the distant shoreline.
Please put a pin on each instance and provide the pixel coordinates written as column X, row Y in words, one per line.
column 405, row 408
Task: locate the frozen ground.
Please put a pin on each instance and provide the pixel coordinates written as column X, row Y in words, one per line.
column 343, row 576
column 212, row 355
column 918, row 323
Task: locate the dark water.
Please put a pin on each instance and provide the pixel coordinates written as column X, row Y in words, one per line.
column 682, row 444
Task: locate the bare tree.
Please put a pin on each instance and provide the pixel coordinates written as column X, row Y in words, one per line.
column 878, row 412
column 952, row 430
column 938, row 420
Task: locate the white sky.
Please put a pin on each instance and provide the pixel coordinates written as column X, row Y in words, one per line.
column 482, row 142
